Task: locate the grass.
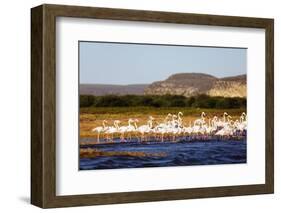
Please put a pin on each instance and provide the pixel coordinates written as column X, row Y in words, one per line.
column 92, row 153
column 93, row 116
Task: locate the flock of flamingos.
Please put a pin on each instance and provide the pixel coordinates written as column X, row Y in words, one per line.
column 173, row 129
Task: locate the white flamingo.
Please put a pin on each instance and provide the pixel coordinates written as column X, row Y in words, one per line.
column 165, row 123
column 172, row 126
column 209, row 128
column 113, row 129
column 228, row 131
column 100, row 129
column 125, row 129
column 244, row 120
column 162, row 130
column 175, row 132
column 200, row 120
column 180, row 114
column 167, row 117
column 174, row 121
column 228, row 128
column 188, row 130
column 241, row 124
column 145, row 128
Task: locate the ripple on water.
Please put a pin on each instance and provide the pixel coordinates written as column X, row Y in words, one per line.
column 176, row 154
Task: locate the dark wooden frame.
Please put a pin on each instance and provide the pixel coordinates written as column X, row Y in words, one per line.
column 43, row 105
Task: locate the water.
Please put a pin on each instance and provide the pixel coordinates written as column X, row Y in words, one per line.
column 166, row 154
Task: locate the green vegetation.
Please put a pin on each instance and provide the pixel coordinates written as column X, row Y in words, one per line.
column 156, row 101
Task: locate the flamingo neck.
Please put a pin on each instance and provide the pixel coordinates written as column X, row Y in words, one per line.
column 149, row 123
column 213, row 123
column 241, row 119
column 116, row 125
column 179, row 116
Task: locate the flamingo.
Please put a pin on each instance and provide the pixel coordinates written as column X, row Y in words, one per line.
column 165, row 123
column 124, row 129
column 241, row 124
column 180, row 114
column 215, row 123
column 209, row 128
column 113, row 129
column 200, row 120
column 224, row 115
column 189, row 129
column 228, row 129
column 132, row 128
column 135, row 127
column 162, row 130
column 176, row 131
column 244, row 115
column 100, row 129
column 196, row 128
column 244, row 120
column 174, row 121
column 221, row 123
column 173, row 127
column 167, row 117
column 146, row 128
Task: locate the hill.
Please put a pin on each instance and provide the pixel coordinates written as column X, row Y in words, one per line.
column 186, row 84
column 192, row 84
column 103, row 89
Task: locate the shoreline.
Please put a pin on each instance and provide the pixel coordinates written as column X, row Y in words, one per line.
column 182, row 140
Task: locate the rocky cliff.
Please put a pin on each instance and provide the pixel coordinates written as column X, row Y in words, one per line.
column 191, row 84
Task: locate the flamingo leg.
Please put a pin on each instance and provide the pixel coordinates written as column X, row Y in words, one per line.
column 122, row 137
column 98, row 137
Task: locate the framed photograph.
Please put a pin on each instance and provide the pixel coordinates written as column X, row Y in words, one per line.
column 137, row 106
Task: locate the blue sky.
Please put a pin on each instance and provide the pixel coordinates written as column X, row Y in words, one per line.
column 123, row 63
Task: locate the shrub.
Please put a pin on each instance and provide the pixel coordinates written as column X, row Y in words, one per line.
column 200, row 101
column 87, row 100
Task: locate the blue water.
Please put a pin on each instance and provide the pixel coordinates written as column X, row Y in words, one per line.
column 175, row 154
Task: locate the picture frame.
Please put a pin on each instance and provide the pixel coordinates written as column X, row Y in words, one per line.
column 43, row 105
